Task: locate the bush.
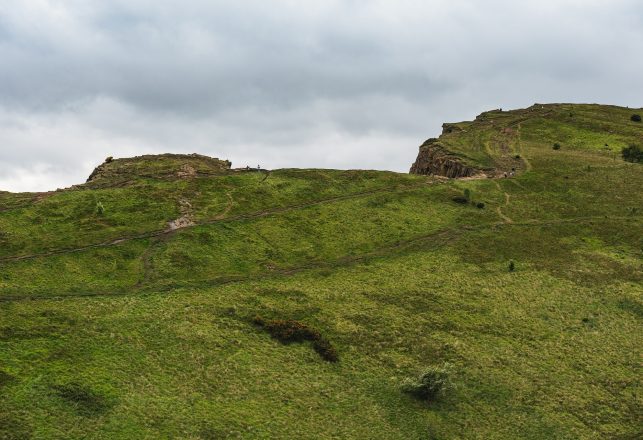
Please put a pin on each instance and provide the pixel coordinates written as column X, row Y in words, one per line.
column 635, row 118
column 633, row 153
column 460, row 199
column 480, row 205
column 512, row 266
column 556, row 146
column 434, row 383
column 109, row 159
column 100, row 209
column 288, row 331
column 467, row 194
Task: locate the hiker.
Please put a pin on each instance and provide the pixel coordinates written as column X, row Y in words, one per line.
column 247, row 167
column 505, row 174
column 258, row 167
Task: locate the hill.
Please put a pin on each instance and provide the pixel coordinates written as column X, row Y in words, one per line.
column 141, row 303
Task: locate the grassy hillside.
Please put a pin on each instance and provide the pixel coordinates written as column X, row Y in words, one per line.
column 113, row 325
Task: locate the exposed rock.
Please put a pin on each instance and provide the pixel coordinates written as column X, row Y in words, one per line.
column 433, row 159
column 186, row 171
column 450, row 128
column 166, row 166
column 186, row 219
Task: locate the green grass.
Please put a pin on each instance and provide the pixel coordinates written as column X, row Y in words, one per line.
column 153, row 337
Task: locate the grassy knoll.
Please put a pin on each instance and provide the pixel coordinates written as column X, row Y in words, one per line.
column 113, row 326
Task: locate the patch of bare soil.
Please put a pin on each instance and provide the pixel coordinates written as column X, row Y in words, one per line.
column 186, row 219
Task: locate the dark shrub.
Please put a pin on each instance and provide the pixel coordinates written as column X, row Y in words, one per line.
column 512, row 266
column 435, row 382
column 288, row 331
column 325, row 350
column 635, row 118
column 467, row 193
column 109, row 159
column 460, row 199
column 633, row 153
column 517, row 156
column 480, row 205
column 556, row 146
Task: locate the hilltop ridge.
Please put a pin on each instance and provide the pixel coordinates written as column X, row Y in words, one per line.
column 166, row 165
column 492, row 144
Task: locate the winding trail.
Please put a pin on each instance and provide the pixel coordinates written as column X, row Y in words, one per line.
column 505, row 218
column 528, row 166
column 433, row 240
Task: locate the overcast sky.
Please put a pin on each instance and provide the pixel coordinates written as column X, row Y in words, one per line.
column 329, row 83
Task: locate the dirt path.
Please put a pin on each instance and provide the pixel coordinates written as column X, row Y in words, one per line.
column 435, row 240
column 505, row 219
column 227, row 208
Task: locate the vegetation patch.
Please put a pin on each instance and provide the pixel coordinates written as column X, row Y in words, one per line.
column 633, row 153
column 84, row 400
column 289, row 331
column 461, row 200
column 5, row 378
column 434, row 383
column 635, row 118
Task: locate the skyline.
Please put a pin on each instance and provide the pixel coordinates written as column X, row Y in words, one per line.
column 339, row 84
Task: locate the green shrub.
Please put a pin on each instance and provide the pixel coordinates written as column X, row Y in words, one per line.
column 288, row 331
column 480, row 205
column 635, row 118
column 433, row 383
column 467, row 194
column 633, row 153
column 100, row 209
column 512, row 266
column 556, row 146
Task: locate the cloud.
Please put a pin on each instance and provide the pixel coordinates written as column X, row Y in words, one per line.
column 348, row 84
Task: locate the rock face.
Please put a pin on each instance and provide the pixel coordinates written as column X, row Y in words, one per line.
column 433, row 159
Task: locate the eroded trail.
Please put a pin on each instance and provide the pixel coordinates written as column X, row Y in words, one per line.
column 504, row 217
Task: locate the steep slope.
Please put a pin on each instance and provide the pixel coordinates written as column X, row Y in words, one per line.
column 114, row 324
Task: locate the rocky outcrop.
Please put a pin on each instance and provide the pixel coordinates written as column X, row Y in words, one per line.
column 164, row 166
column 433, row 159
